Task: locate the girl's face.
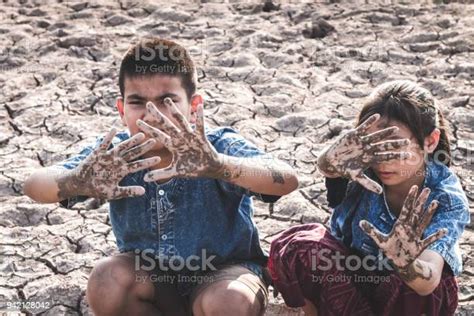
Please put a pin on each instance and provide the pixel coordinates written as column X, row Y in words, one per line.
column 396, row 172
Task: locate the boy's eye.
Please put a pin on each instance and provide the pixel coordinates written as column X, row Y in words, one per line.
column 174, row 101
column 135, row 102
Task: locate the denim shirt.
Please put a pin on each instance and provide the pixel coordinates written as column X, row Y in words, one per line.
column 452, row 213
column 185, row 216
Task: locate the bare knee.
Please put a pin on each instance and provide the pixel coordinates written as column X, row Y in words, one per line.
column 111, row 283
column 309, row 308
column 227, row 298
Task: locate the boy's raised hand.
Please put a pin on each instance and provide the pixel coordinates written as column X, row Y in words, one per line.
column 193, row 155
column 356, row 150
column 404, row 243
column 99, row 174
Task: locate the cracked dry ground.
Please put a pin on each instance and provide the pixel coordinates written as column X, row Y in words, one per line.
column 262, row 70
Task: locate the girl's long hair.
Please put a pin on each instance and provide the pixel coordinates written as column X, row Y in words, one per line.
column 414, row 106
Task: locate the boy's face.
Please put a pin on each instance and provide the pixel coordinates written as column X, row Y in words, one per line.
column 141, row 90
column 396, row 172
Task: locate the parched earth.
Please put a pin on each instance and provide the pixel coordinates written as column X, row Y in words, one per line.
column 289, row 77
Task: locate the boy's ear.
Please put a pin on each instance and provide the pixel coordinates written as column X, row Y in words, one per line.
column 432, row 140
column 119, row 105
column 196, row 99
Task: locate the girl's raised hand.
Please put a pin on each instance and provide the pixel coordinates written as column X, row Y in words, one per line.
column 355, row 151
column 404, row 243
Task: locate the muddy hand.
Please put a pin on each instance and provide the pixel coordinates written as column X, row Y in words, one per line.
column 404, row 243
column 100, row 172
column 193, row 155
column 355, row 151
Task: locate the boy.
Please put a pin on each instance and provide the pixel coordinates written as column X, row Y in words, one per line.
column 186, row 202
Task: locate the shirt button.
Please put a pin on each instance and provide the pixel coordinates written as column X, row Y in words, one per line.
column 161, row 192
column 164, row 237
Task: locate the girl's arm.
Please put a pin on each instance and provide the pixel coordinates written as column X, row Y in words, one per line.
column 424, row 274
column 419, row 268
column 325, row 167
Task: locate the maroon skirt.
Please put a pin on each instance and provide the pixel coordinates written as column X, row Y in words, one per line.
column 305, row 263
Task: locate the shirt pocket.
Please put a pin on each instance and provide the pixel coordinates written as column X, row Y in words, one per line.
column 131, row 218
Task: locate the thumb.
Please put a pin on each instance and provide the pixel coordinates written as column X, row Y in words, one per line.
column 368, row 183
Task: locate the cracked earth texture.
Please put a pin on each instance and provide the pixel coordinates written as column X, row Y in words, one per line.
column 290, row 77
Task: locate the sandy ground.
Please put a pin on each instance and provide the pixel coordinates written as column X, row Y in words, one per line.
column 282, row 77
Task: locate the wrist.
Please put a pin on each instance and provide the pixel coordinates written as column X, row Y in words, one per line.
column 326, row 168
column 219, row 167
column 416, row 269
column 67, row 182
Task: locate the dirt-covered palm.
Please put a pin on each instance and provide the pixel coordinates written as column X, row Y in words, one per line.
column 99, row 174
column 193, row 154
column 355, row 151
column 404, row 243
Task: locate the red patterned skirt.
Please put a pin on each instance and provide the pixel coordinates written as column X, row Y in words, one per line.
column 294, row 260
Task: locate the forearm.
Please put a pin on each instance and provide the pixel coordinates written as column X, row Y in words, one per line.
column 259, row 175
column 324, row 167
column 49, row 185
column 421, row 276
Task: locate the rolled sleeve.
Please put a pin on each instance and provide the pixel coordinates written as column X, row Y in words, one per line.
column 452, row 214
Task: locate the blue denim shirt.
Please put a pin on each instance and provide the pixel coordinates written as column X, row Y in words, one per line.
column 185, row 216
column 452, row 213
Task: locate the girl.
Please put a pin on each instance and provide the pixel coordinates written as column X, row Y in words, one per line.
column 392, row 246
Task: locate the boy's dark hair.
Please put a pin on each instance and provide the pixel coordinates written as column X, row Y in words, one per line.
column 158, row 56
column 414, row 106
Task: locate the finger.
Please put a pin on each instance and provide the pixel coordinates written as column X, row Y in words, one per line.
column 131, row 191
column 368, row 183
column 367, row 124
column 427, row 217
column 129, row 143
column 417, row 211
column 143, row 164
column 433, row 237
column 139, row 150
column 160, row 174
column 389, row 145
column 379, row 157
column 200, row 120
column 379, row 136
column 104, row 145
column 164, row 123
column 408, row 204
column 154, row 132
column 373, row 232
column 178, row 116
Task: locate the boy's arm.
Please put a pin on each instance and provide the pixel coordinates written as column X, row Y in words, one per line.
column 194, row 156
column 258, row 174
column 97, row 175
column 42, row 185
